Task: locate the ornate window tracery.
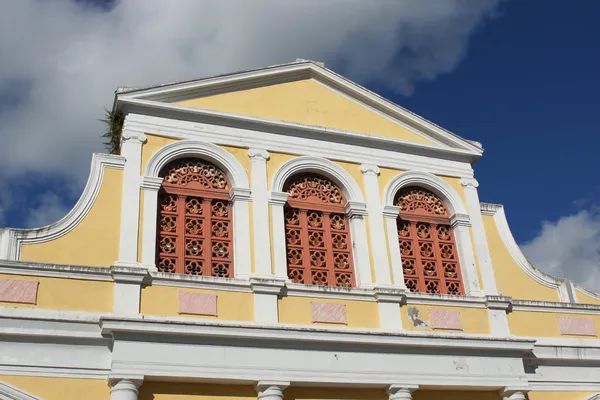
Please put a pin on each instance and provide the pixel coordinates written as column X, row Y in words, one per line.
column 194, row 220
column 427, row 246
column 319, row 247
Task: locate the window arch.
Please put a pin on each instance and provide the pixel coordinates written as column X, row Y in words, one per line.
column 318, row 243
column 427, row 246
column 194, row 220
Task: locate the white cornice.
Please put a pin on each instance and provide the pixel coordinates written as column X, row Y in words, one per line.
column 8, row 392
column 293, row 72
column 12, row 239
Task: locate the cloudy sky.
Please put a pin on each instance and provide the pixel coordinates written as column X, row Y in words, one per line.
column 495, row 71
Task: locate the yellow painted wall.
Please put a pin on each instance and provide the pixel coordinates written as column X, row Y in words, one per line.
column 543, row 324
column 299, row 393
column 164, row 301
column 194, row 391
column 60, row 388
column 559, row 395
column 511, row 280
column 582, row 298
column 306, row 102
column 474, row 320
column 95, row 241
column 298, row 310
column 68, row 294
column 454, row 395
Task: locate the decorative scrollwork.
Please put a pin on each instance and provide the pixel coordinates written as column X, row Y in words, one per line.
column 420, row 201
column 203, row 174
column 314, row 188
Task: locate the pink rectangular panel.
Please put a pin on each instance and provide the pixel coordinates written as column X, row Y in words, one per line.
column 18, row 291
column 576, row 326
column 328, row 312
column 445, row 319
column 197, row 303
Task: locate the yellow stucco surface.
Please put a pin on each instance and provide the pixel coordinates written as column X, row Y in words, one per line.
column 298, row 310
column 585, row 299
column 194, row 391
column 473, row 320
column 454, row 395
column 164, row 301
column 544, row 324
column 60, row 388
column 305, row 102
column 559, row 395
column 511, row 280
column 95, row 241
column 68, row 294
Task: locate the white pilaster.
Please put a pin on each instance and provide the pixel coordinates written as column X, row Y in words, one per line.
column 266, row 292
column 388, row 302
column 497, row 308
column 150, row 186
column 241, row 238
column 390, row 215
column 260, row 209
column 271, row 390
column 123, row 389
column 131, row 149
column 277, row 201
column 356, row 212
column 376, row 227
column 128, row 281
column 401, row 391
column 481, row 245
column 460, row 224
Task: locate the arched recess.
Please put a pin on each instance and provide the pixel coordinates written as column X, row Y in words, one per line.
column 355, row 210
column 239, row 195
column 459, row 220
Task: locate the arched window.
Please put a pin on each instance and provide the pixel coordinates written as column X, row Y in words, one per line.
column 194, row 220
column 427, row 245
column 319, row 248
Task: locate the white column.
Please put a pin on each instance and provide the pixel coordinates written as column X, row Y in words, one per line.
column 390, row 215
column 277, row 201
column 481, row 245
column 388, row 302
column 378, row 245
column 401, row 391
column 131, row 149
column 271, row 390
column 460, row 225
column 150, row 186
column 241, row 232
column 266, row 292
column 260, row 209
column 356, row 212
column 498, row 306
column 124, row 389
column 514, row 395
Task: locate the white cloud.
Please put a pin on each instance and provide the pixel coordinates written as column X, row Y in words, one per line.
column 49, row 209
column 569, row 247
column 61, row 62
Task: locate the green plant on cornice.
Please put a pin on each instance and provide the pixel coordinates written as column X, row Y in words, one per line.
column 114, row 121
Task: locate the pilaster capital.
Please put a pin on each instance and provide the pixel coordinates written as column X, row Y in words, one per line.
column 498, row 302
column 278, row 198
column 355, row 209
column 460, row 220
column 240, row 194
column 389, row 294
column 391, row 211
column 266, row 284
column 132, row 135
column 258, row 154
column 122, row 274
column 151, row 182
column 470, row 183
column 369, row 169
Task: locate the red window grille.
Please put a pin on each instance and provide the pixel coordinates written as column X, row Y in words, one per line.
column 194, row 220
column 319, row 247
column 427, row 246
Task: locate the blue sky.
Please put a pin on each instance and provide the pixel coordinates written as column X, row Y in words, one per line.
column 517, row 75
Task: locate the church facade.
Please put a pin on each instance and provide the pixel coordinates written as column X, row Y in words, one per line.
column 285, row 234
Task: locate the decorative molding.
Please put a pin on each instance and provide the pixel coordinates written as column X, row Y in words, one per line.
column 18, row 291
column 9, row 392
column 320, row 166
column 13, row 239
column 26, row 268
column 197, row 303
column 586, row 292
column 329, row 313
column 555, row 307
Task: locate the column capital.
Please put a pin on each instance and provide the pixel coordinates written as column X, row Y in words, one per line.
column 278, row 198
column 151, row 182
column 355, row 209
column 271, row 390
column 469, row 183
column 369, row 169
column 125, row 388
column 259, row 154
column 401, row 391
column 510, row 394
